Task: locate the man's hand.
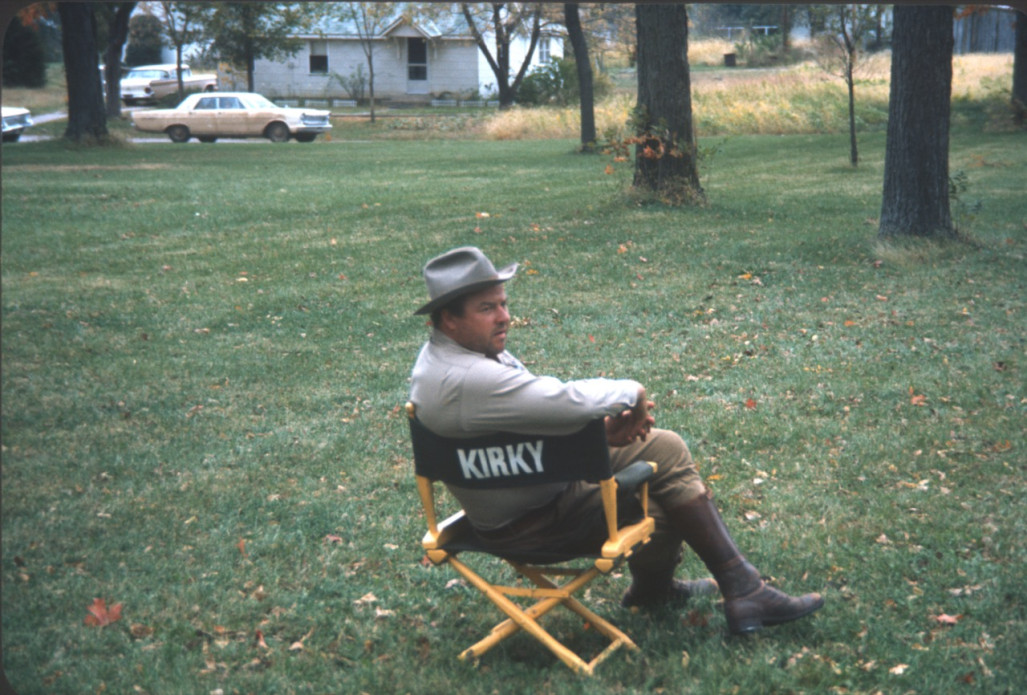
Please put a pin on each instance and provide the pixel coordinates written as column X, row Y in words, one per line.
column 632, row 424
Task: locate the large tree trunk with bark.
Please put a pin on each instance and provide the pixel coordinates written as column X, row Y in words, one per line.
column 665, row 152
column 87, row 119
column 916, row 164
column 572, row 20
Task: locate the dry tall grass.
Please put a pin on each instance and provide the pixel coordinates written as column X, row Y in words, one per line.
column 801, row 98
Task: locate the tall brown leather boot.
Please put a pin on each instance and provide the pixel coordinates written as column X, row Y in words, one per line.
column 749, row 603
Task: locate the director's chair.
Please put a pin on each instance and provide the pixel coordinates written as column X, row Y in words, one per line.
column 508, row 460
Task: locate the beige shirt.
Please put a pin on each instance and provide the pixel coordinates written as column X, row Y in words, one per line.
column 462, row 393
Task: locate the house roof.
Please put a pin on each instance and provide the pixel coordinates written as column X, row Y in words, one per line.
column 449, row 26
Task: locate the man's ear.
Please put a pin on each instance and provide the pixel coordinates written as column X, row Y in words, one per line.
column 446, row 319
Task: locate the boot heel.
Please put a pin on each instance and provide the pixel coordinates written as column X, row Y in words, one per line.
column 744, row 626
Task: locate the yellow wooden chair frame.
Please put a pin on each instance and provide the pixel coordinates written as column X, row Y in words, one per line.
column 547, row 592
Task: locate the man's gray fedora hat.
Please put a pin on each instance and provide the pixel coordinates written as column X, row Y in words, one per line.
column 458, row 272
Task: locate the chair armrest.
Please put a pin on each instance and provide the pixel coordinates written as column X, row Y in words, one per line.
column 630, row 478
column 447, row 529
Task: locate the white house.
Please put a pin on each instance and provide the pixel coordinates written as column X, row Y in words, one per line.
column 414, row 61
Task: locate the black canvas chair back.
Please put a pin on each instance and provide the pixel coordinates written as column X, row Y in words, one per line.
column 506, row 459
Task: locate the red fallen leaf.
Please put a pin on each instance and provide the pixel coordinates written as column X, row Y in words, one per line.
column 916, row 399
column 100, row 615
column 241, row 545
column 260, row 640
column 750, row 403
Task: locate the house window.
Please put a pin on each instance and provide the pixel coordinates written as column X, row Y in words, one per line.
column 417, row 59
column 318, row 57
column 544, row 56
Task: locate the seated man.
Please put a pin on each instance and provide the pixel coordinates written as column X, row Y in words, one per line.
column 466, row 384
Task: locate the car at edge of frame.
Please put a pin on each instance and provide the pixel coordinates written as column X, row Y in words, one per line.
column 15, row 120
column 212, row 115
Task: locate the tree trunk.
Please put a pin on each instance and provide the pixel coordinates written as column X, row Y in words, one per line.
column 178, row 71
column 500, row 63
column 665, row 154
column 850, row 80
column 251, row 64
column 1020, row 68
column 87, row 119
column 117, row 34
column 916, row 163
column 370, row 77
column 786, row 31
column 586, row 94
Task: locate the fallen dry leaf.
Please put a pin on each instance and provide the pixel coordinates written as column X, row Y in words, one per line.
column 916, row 399
column 100, row 615
column 140, row 631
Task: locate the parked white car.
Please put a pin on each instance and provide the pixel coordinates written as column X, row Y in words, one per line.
column 233, row 115
column 148, row 83
column 16, row 119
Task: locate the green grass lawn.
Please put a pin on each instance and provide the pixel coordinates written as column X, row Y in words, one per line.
column 205, row 349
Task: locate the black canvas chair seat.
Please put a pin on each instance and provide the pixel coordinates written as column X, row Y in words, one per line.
column 509, row 460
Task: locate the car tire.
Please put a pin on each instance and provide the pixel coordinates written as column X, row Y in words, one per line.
column 178, row 133
column 207, row 138
column 277, row 132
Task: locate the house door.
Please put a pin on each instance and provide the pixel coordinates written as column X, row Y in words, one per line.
column 417, row 66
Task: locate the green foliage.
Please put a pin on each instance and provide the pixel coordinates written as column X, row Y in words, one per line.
column 964, row 211
column 354, row 84
column 24, row 57
column 758, row 51
column 556, row 84
column 145, row 40
column 241, row 32
column 205, row 348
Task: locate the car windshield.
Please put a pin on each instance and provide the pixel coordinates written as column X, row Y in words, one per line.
column 256, row 101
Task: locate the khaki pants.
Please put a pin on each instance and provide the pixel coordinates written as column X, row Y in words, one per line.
column 576, row 519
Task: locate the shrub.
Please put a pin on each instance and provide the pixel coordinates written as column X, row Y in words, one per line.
column 24, row 56
column 556, row 83
column 144, row 41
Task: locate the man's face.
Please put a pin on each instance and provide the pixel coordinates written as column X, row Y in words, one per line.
column 485, row 322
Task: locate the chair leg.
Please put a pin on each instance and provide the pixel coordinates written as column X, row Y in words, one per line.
column 552, row 595
column 520, row 620
column 604, row 626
